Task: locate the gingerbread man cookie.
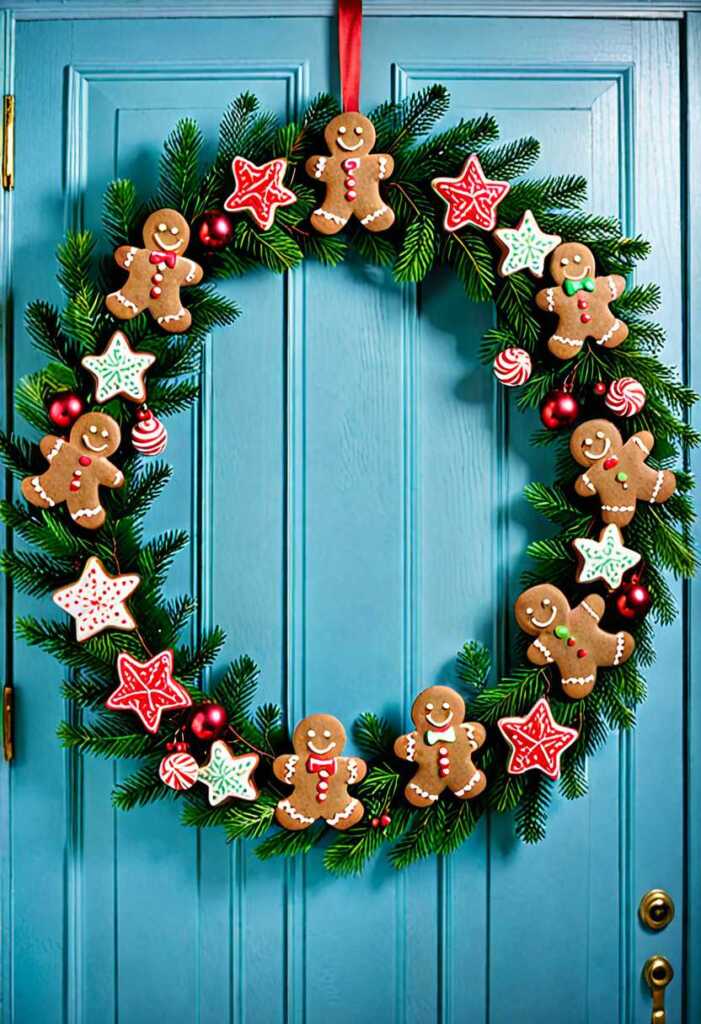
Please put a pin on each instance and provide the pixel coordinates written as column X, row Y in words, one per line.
column 320, row 777
column 570, row 638
column 77, row 469
column 581, row 301
column 352, row 176
column 616, row 472
column 442, row 746
column 157, row 273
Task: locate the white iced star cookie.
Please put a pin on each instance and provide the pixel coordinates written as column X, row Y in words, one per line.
column 525, row 246
column 228, row 775
column 96, row 600
column 606, row 558
column 119, row 370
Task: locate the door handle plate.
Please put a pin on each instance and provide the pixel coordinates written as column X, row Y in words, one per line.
column 658, row 972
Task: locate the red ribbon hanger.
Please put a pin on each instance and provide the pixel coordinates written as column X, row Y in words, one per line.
column 350, row 41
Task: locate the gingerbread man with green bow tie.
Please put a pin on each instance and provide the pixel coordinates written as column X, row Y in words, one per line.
column 581, row 302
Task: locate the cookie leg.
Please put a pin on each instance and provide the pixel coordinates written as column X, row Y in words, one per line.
column 467, row 783
column 373, row 213
column 563, row 347
column 619, row 514
column 424, row 789
column 175, row 322
column 287, row 815
column 121, row 305
column 86, row 510
column 347, row 816
column 581, row 684
column 616, row 333
column 329, row 222
column 34, row 491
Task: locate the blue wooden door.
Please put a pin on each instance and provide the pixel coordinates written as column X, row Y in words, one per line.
column 352, row 482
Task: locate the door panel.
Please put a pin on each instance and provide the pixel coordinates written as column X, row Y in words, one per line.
column 352, row 482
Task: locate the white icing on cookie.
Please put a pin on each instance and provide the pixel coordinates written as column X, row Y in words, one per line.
column 470, row 785
column 588, row 608
column 411, row 746
column 352, row 771
column 422, row 792
column 56, row 449
column 86, row 513
column 41, row 492
column 609, row 334
column 320, row 167
column 587, row 482
column 539, row 645
column 172, row 316
column 327, row 215
column 550, row 297
column 192, row 271
column 658, row 485
column 383, row 167
column 129, row 258
column 641, row 446
column 620, row 647
column 345, row 813
column 618, row 508
column 374, row 215
column 578, row 680
column 290, row 767
column 612, row 287
column 124, row 301
column 293, row 813
column 572, row 342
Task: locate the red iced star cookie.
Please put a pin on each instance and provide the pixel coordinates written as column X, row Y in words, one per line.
column 536, row 740
column 471, row 198
column 96, row 600
column 259, row 190
column 148, row 688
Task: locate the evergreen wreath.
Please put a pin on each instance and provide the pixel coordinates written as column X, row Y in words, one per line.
column 414, row 246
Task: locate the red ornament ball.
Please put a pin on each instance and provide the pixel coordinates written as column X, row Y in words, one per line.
column 208, row 722
column 559, row 409
column 599, row 388
column 215, row 229
column 64, row 410
column 633, row 600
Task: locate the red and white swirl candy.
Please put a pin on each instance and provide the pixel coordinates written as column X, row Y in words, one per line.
column 513, row 367
column 148, row 435
column 179, row 771
column 625, row 396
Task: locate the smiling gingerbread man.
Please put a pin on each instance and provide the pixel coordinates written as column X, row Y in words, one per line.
column 352, row 175
column 157, row 273
column 570, row 638
column 320, row 777
column 77, row 469
column 581, row 302
column 442, row 746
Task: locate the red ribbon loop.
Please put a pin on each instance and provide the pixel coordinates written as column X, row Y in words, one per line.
column 350, row 40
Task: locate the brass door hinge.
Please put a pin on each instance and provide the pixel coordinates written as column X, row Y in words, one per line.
column 8, row 143
column 8, row 706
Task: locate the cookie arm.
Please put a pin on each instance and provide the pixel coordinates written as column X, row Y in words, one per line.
column 539, row 653
column 189, row 271
column 47, row 444
column 354, row 768
column 613, row 648
column 405, row 747
column 108, row 474
column 594, row 605
column 549, row 299
column 124, row 255
column 583, row 486
column 285, row 767
column 640, row 444
column 615, row 286
column 385, row 165
column 317, row 167
column 476, row 734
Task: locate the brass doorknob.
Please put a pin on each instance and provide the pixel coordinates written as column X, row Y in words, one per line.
column 656, row 909
column 658, row 972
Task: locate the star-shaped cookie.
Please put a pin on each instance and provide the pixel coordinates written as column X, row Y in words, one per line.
column 148, row 689
column 259, row 190
column 525, row 246
column 471, row 198
column 536, row 740
column 96, row 600
column 227, row 775
column 604, row 559
column 119, row 370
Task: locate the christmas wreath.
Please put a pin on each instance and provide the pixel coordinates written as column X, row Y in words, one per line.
column 411, row 201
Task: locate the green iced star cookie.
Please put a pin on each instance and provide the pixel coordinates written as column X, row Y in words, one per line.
column 525, row 246
column 606, row 558
column 119, row 370
column 227, row 775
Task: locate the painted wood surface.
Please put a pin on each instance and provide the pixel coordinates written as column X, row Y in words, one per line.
column 352, row 481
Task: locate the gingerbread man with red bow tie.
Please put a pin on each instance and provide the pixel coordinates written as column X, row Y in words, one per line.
column 320, row 777
column 442, row 747
column 157, row 273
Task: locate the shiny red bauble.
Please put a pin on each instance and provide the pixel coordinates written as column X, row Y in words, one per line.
column 599, row 388
column 559, row 409
column 64, row 410
column 633, row 600
column 208, row 722
column 214, row 230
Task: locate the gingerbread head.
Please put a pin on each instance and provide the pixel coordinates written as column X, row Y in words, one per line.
column 442, row 747
column 570, row 638
column 581, row 301
column 319, row 776
column 77, row 469
column 352, row 174
column 157, row 273
column 618, row 473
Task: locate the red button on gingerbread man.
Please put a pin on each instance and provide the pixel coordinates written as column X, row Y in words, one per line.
column 442, row 746
column 157, row 273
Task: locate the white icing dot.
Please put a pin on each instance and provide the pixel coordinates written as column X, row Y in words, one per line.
column 93, row 429
column 564, row 261
column 529, row 611
column 311, row 734
column 342, row 130
column 162, row 227
column 445, row 704
column 358, row 129
column 104, row 433
column 327, row 733
column 545, row 602
column 429, row 707
column 588, row 441
column 174, row 231
column 600, row 434
column 578, row 258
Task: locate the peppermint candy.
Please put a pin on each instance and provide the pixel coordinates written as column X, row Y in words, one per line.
column 625, row 397
column 179, row 771
column 513, row 367
column 148, row 435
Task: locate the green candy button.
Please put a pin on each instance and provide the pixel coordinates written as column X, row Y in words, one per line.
column 622, row 477
column 562, row 632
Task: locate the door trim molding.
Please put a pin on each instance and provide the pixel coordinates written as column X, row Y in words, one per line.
column 46, row 10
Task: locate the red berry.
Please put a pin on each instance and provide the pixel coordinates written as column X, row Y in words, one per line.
column 375, row 822
column 599, row 388
column 385, row 820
